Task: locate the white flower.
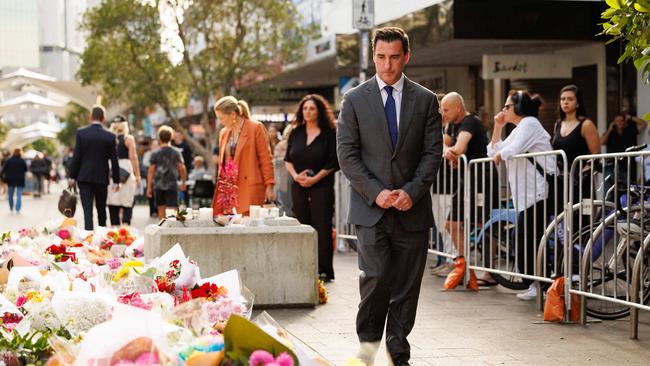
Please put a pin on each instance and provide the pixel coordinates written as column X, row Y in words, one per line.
column 81, row 311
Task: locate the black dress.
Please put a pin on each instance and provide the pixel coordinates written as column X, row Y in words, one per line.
column 315, row 205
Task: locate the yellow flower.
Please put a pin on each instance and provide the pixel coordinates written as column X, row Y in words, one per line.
column 34, row 296
column 354, row 362
column 126, row 268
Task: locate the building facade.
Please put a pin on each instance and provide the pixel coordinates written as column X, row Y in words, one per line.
column 481, row 50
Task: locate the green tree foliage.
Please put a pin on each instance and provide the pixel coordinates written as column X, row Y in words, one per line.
column 629, row 21
column 75, row 118
column 49, row 146
column 225, row 45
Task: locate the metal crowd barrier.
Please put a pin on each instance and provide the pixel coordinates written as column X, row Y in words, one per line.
column 448, row 199
column 609, row 232
column 513, row 239
column 593, row 230
column 345, row 233
column 446, row 184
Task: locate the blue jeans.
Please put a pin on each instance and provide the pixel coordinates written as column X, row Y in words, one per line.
column 19, row 197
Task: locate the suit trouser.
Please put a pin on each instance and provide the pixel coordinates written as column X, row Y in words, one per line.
column 89, row 192
column 392, row 262
column 315, row 206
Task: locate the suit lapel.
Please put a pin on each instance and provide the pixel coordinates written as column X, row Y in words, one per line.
column 406, row 112
column 376, row 103
column 243, row 136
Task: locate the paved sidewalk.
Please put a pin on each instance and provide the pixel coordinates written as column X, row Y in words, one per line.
column 452, row 328
column 491, row 327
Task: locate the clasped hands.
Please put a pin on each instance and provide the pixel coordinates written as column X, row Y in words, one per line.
column 397, row 198
column 304, row 179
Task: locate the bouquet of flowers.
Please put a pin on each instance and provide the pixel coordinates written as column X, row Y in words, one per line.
column 61, row 253
column 122, row 236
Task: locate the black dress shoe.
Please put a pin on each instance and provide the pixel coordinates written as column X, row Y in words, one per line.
column 405, row 363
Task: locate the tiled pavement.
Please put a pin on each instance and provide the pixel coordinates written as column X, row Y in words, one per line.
column 452, row 328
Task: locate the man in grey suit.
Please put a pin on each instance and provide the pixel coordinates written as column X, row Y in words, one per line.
column 389, row 147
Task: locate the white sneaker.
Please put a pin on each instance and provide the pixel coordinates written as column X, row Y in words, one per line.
column 367, row 352
column 530, row 294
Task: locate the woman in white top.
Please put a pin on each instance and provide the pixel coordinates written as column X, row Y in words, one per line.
column 122, row 200
column 529, row 188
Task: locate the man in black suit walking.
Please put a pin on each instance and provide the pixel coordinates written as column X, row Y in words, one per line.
column 95, row 146
column 389, row 147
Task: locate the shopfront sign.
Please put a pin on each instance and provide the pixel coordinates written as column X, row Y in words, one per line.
column 527, row 66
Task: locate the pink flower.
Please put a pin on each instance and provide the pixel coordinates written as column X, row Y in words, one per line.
column 284, row 359
column 264, row 358
column 134, row 299
column 149, row 358
column 21, row 301
column 63, row 234
column 113, row 263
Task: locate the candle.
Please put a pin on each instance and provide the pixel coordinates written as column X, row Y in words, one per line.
column 205, row 213
column 254, row 212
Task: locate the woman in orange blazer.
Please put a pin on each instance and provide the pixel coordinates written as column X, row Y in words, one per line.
column 247, row 142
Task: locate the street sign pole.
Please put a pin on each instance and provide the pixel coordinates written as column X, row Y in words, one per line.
column 363, row 19
column 364, row 40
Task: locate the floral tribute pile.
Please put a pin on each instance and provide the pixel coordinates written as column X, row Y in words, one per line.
column 73, row 297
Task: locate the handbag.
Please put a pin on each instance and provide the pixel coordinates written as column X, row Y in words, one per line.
column 124, row 175
column 68, row 201
column 555, row 191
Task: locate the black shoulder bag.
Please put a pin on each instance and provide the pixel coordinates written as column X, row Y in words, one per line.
column 555, row 198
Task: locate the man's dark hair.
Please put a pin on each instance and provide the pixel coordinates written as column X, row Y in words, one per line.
column 97, row 113
column 390, row 34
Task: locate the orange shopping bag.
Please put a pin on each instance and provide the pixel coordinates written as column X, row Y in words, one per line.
column 554, row 305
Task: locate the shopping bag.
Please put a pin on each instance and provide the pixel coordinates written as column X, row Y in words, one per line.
column 554, row 305
column 68, row 201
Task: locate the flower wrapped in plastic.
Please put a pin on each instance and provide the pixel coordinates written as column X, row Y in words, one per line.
column 80, row 311
column 227, row 191
column 132, row 336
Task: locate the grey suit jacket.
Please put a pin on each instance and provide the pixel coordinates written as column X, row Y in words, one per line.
column 367, row 158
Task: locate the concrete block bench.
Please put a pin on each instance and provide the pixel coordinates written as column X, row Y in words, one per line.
column 279, row 264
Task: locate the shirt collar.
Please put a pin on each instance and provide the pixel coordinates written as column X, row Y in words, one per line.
column 97, row 123
column 398, row 86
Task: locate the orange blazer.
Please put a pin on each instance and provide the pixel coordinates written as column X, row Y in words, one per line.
column 255, row 162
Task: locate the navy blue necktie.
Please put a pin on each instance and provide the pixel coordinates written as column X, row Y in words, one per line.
column 391, row 115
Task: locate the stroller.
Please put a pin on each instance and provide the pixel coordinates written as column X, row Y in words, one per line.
column 201, row 192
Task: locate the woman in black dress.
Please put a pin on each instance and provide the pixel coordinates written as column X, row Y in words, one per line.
column 311, row 162
column 575, row 134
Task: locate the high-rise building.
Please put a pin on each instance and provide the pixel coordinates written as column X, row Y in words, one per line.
column 18, row 34
column 60, row 40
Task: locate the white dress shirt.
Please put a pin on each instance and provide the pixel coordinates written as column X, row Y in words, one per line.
column 528, row 137
column 397, row 94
